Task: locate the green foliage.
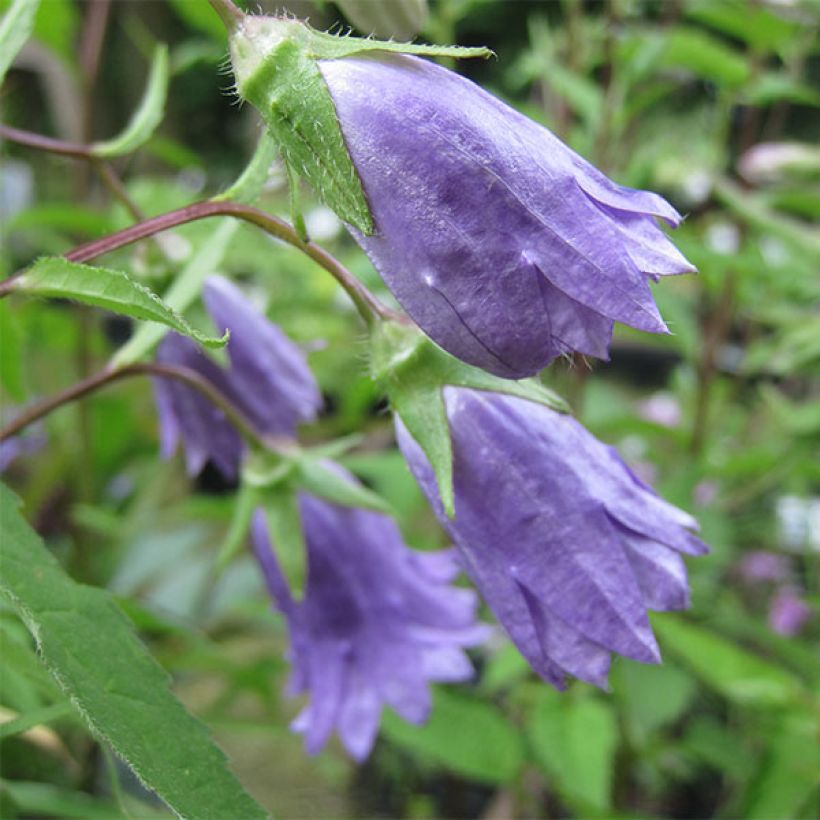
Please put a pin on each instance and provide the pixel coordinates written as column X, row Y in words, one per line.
column 146, row 117
column 108, row 289
column 90, row 649
column 15, row 27
column 467, row 736
column 687, row 99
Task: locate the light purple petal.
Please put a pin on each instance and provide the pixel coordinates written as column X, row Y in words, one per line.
column 475, row 206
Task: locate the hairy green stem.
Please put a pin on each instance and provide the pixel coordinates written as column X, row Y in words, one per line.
column 230, row 14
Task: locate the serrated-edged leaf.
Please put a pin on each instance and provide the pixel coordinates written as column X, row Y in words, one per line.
column 281, row 508
column 469, row 736
column 90, row 648
column 148, row 114
column 182, row 293
column 252, row 180
column 105, row 288
column 727, row 668
column 320, row 479
column 288, row 89
column 325, row 46
column 15, row 28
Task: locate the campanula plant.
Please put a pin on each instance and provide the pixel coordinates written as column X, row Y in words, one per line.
column 449, row 568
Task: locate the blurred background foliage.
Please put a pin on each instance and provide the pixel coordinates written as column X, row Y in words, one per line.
column 715, row 104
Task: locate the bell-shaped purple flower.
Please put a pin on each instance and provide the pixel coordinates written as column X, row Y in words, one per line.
column 568, row 547
column 377, row 623
column 506, row 247
column 268, row 380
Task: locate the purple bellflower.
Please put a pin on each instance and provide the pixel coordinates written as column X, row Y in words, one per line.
column 378, row 622
column 268, row 380
column 568, row 547
column 505, row 246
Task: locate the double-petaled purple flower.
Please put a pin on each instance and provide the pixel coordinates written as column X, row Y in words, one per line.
column 568, row 547
column 268, row 380
column 506, row 247
column 378, row 623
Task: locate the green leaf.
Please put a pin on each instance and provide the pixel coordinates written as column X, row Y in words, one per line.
column 788, row 774
column 36, row 717
column 729, row 669
column 45, row 800
column 244, row 505
column 182, row 293
column 575, row 740
column 317, row 477
column 147, row 116
column 90, row 648
column 756, row 25
column 12, row 376
column 325, row 46
column 705, row 56
column 281, row 508
column 466, row 735
column 108, row 289
column 15, row 28
column 252, row 180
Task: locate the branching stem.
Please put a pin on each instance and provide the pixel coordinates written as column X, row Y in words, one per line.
column 99, row 380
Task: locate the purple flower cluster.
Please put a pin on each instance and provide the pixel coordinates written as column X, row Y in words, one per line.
column 567, row 546
column 506, row 247
column 268, row 380
column 378, row 622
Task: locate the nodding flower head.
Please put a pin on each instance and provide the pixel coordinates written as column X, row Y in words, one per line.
column 568, row 547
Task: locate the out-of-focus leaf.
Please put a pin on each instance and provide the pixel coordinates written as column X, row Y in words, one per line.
column 55, row 25
column 108, row 289
column 757, row 25
column 281, row 508
column 731, row 670
column 713, row 744
column 44, row 800
column 790, row 770
column 652, row 696
column 574, row 740
column 187, row 286
column 118, row 688
column 504, row 668
column 468, row 736
column 200, row 16
column 16, row 26
column 773, row 87
column 70, row 218
column 147, row 116
column 251, row 181
column 705, row 56
column 11, row 353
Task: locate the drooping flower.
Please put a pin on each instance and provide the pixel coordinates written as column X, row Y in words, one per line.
column 268, row 380
column 504, row 245
column 568, row 547
column 377, row 623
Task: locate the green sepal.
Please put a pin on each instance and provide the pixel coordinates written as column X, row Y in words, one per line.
column 318, row 478
column 412, row 370
column 247, row 500
column 285, row 84
column 275, row 62
column 281, row 506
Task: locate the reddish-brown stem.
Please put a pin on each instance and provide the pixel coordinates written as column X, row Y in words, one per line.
column 99, row 380
column 41, row 143
column 368, row 306
column 229, row 13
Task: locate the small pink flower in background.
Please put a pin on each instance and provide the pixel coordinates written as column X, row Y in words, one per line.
column 788, row 611
column 764, row 566
column 705, row 493
column 661, row 408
